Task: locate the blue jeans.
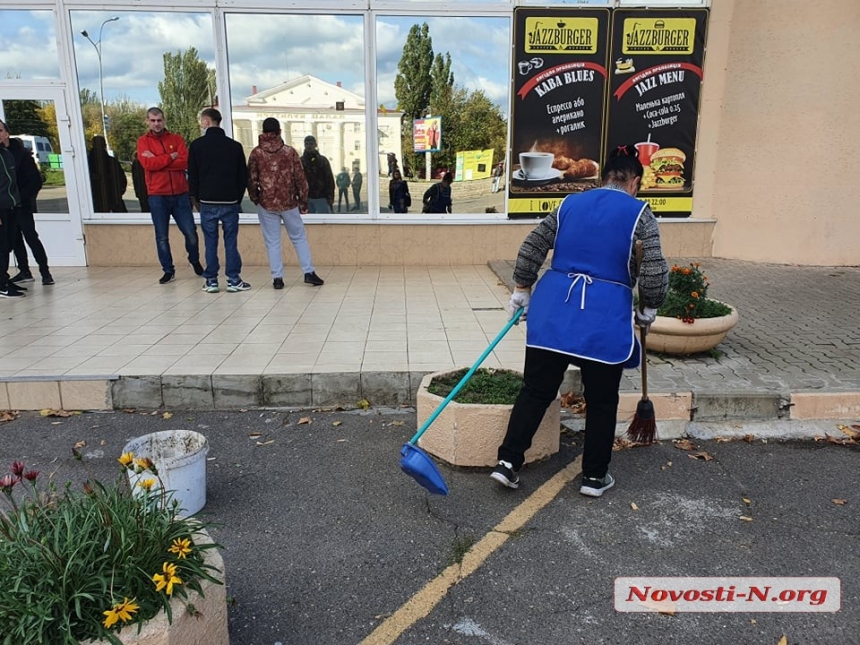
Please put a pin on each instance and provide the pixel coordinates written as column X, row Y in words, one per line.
column 228, row 215
column 161, row 208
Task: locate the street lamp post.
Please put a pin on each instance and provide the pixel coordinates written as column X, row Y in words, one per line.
column 98, row 47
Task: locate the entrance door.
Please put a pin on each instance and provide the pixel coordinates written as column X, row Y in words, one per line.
column 38, row 115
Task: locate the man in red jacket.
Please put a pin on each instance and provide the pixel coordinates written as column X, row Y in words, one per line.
column 164, row 158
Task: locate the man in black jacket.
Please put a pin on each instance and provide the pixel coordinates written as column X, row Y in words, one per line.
column 320, row 178
column 10, row 203
column 217, row 177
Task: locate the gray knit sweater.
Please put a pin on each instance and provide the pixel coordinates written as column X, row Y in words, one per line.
column 653, row 274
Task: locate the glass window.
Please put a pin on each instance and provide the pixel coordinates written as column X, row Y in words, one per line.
column 444, row 97
column 306, row 72
column 166, row 48
column 28, row 40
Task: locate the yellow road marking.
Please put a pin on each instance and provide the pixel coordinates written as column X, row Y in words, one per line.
column 423, row 602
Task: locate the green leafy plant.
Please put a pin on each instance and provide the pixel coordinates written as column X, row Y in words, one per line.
column 80, row 565
column 489, row 386
column 687, row 298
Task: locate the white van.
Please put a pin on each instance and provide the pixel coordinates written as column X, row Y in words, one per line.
column 39, row 146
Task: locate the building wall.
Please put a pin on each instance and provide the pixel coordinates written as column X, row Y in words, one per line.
column 780, row 131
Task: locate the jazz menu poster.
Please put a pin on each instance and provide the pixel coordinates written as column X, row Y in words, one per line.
column 656, row 79
column 558, row 106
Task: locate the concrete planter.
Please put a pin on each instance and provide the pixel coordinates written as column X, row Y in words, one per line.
column 469, row 434
column 672, row 336
column 208, row 625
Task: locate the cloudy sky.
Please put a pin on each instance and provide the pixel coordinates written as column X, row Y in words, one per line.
column 264, row 50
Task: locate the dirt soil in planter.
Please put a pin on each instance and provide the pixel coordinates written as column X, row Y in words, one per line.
column 486, row 386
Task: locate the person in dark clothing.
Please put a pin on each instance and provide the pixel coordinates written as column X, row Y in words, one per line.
column 343, row 184
column 437, row 198
column 138, row 180
column 320, row 178
column 399, row 199
column 29, row 184
column 217, row 179
column 357, row 181
column 10, row 202
column 107, row 179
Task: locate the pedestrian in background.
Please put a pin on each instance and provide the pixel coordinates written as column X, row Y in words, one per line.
column 343, row 183
column 357, row 181
column 138, row 180
column 278, row 187
column 497, row 176
column 10, row 203
column 320, row 178
column 107, row 179
column 399, row 199
column 582, row 312
column 164, row 157
column 29, row 182
column 437, row 198
column 217, row 178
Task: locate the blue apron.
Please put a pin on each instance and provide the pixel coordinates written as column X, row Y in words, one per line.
column 583, row 305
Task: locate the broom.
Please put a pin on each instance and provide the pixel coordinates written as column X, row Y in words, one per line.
column 643, row 428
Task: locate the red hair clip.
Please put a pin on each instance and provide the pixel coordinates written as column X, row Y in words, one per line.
column 623, row 150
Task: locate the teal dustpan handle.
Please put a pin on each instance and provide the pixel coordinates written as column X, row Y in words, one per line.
column 463, row 380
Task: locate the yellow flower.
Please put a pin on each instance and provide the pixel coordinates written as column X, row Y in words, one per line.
column 121, row 611
column 126, row 459
column 146, row 484
column 181, row 547
column 143, row 463
column 166, row 579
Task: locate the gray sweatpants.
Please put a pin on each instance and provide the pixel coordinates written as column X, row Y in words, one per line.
column 270, row 225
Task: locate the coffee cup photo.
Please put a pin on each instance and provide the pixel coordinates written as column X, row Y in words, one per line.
column 536, row 165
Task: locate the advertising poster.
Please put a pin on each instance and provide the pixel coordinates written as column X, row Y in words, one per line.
column 655, row 85
column 558, row 106
column 427, row 134
column 474, row 164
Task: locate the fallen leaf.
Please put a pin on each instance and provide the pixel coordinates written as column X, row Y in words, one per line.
column 747, row 500
column 341, row 441
column 685, row 444
column 254, row 435
column 153, row 413
column 633, row 506
column 337, row 423
column 304, row 421
column 783, row 640
column 364, row 404
column 669, row 463
column 749, row 438
column 856, row 427
column 396, row 423
column 818, row 437
column 167, row 415
column 80, row 444
column 243, row 409
column 265, row 443
column 839, row 502
column 129, row 410
column 9, row 415
column 704, row 455
column 839, row 442
column 56, row 413
column 745, row 518
column 848, row 431
column 724, row 439
column 56, row 423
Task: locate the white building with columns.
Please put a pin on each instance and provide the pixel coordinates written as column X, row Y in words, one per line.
column 335, row 116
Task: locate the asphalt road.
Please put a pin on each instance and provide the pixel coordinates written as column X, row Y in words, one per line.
column 325, row 539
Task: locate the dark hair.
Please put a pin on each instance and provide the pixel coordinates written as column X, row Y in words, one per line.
column 270, row 124
column 5, row 127
column 622, row 165
column 448, row 178
column 157, row 111
column 212, row 113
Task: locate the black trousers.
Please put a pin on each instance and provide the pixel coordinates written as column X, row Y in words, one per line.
column 8, row 233
column 27, row 231
column 543, row 374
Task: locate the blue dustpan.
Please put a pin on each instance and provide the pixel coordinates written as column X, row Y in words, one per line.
column 415, row 462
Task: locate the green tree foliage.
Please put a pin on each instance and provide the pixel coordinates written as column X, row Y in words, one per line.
column 413, row 84
column 187, row 88
column 441, row 83
column 24, row 117
column 127, row 123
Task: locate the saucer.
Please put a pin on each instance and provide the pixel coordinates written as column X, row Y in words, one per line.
column 554, row 173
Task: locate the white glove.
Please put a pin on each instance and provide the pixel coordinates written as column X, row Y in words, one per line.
column 644, row 317
column 520, row 298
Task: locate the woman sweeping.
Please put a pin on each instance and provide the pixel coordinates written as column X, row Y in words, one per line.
column 582, row 312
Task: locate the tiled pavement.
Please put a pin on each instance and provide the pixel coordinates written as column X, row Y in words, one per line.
column 373, row 331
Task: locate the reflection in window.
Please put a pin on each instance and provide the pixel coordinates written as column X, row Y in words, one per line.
column 306, row 71
column 28, row 40
column 452, row 91
column 173, row 68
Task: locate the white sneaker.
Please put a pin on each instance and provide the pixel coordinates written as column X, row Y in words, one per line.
column 593, row 487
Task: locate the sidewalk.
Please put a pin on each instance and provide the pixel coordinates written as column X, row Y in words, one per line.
column 116, row 338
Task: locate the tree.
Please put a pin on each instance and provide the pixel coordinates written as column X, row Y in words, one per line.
column 187, row 88
column 441, row 83
column 23, row 117
column 127, row 121
column 413, row 83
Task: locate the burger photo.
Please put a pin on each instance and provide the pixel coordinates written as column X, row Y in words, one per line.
column 667, row 165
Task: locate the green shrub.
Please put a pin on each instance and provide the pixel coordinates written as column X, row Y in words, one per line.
column 485, row 386
column 80, row 565
column 687, row 298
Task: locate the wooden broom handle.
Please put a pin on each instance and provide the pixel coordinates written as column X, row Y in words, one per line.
column 644, row 364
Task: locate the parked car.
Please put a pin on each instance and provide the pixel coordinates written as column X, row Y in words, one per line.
column 39, row 146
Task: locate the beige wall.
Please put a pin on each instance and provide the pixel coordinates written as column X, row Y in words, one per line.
column 779, row 131
column 367, row 244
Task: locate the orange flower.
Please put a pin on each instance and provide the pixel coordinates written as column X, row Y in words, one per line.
column 695, row 294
